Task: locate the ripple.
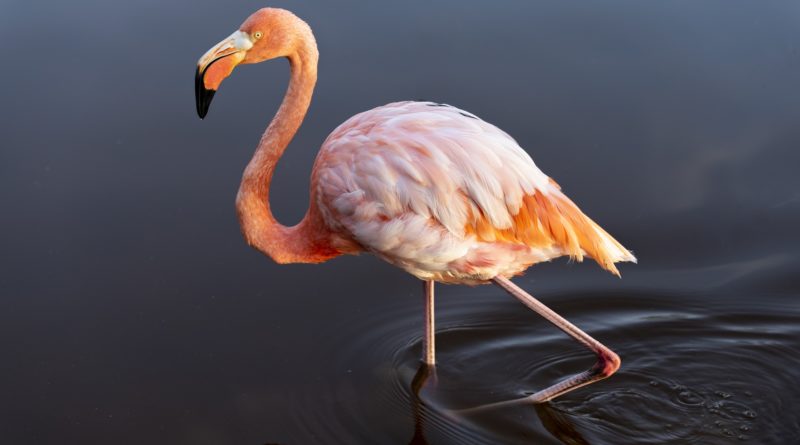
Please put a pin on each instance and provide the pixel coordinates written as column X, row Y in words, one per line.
column 700, row 375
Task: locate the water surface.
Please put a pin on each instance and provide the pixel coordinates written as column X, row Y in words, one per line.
column 131, row 311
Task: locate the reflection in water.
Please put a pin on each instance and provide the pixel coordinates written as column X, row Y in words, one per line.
column 424, row 372
column 559, row 425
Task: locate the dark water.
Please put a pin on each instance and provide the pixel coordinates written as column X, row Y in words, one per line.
column 132, row 312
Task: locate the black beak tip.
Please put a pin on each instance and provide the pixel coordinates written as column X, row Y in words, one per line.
column 202, row 95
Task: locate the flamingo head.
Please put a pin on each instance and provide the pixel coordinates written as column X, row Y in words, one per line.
column 267, row 34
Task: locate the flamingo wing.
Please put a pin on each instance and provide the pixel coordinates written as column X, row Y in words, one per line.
column 446, row 195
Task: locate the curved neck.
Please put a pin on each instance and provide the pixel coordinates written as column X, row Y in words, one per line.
column 307, row 241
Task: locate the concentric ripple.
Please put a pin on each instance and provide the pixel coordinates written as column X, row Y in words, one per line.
column 694, row 372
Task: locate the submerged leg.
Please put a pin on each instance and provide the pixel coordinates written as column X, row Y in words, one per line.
column 607, row 361
column 429, row 337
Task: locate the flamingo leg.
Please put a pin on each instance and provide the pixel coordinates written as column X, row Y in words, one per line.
column 607, row 361
column 429, row 337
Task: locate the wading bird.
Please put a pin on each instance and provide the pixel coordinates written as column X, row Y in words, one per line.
column 427, row 187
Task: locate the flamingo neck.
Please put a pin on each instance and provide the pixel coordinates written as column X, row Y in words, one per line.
column 306, row 242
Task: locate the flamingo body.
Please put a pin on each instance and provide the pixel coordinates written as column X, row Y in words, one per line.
column 447, row 197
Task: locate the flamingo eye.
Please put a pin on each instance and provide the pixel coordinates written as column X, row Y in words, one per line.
column 257, row 34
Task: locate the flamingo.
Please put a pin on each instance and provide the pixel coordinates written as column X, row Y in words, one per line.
column 425, row 186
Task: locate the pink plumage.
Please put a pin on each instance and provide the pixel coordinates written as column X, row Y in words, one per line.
column 407, row 181
column 427, row 187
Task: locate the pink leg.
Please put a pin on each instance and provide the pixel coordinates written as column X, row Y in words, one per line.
column 607, row 361
column 429, row 338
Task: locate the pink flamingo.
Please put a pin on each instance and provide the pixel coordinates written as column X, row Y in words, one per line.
column 427, row 187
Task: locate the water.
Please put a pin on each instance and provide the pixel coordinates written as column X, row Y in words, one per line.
column 698, row 367
column 132, row 312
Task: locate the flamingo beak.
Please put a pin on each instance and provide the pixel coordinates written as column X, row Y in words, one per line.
column 217, row 64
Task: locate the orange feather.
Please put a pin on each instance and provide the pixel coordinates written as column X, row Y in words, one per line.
column 551, row 220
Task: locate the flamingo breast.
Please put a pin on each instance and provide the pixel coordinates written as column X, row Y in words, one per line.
column 447, row 196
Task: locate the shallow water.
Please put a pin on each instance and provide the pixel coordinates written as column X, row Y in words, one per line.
column 699, row 367
column 131, row 311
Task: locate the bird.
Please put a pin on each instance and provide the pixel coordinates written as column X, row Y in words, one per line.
column 425, row 186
